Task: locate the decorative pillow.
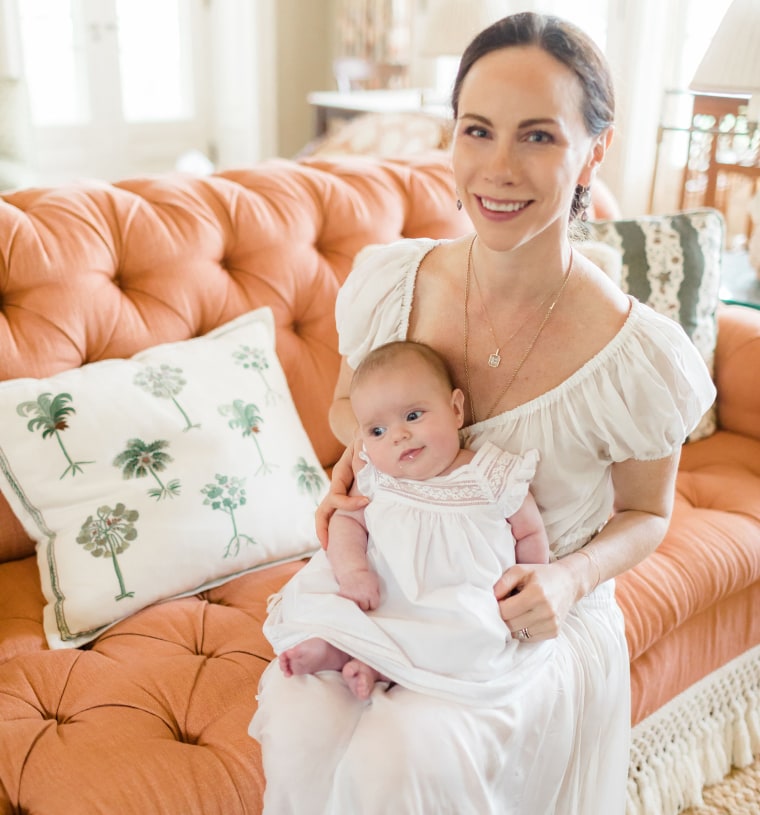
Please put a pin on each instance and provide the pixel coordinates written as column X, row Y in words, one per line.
column 672, row 263
column 386, row 134
column 158, row 476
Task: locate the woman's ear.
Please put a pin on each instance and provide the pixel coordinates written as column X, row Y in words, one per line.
column 597, row 152
column 457, row 405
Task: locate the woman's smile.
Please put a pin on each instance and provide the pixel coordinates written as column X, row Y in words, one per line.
column 493, row 205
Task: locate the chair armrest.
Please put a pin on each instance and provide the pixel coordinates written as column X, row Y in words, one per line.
column 737, row 369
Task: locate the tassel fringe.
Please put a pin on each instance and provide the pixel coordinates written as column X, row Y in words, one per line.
column 695, row 739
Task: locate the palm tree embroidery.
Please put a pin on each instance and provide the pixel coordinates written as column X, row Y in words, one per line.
column 248, row 418
column 51, row 417
column 255, row 359
column 164, row 382
column 140, row 459
column 227, row 494
column 108, row 534
column 308, row 478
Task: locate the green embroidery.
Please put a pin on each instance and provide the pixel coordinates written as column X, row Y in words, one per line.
column 164, row 382
column 248, row 418
column 308, row 478
column 227, row 494
column 141, row 459
column 108, row 535
column 255, row 359
column 51, row 414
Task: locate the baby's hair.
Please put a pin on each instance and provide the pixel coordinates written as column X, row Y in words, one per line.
column 389, row 354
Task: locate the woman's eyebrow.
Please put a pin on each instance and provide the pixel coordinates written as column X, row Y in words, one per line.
column 477, row 117
column 547, row 120
column 539, row 120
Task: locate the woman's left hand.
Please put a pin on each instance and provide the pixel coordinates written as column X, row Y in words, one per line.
column 535, row 598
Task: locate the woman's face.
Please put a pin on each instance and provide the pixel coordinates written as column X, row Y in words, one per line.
column 521, row 145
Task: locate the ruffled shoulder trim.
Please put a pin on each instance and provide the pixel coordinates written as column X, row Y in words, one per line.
column 366, row 478
column 374, row 303
column 508, row 475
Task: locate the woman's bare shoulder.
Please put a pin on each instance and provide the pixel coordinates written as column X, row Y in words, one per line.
column 595, row 310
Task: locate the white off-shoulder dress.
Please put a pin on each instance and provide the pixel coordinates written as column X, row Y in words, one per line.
column 438, row 547
column 559, row 744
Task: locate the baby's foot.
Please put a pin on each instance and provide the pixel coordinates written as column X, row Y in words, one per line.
column 360, row 678
column 311, row 656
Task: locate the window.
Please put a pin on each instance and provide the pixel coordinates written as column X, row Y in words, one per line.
column 115, row 86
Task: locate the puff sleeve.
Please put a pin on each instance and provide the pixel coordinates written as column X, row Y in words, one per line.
column 652, row 398
column 374, row 303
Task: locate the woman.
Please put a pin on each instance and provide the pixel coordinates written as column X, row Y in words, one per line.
column 552, row 356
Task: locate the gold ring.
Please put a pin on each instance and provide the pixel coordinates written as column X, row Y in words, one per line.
column 524, row 634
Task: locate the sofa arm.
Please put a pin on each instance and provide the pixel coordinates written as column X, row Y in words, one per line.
column 737, row 369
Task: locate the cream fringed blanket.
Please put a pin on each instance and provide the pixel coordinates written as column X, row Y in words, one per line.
column 695, row 739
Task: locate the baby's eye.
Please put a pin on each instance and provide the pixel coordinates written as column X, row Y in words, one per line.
column 377, row 432
column 413, row 415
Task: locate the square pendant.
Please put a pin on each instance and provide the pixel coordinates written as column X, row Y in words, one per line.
column 494, row 360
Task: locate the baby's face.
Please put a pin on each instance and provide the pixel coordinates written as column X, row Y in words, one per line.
column 409, row 419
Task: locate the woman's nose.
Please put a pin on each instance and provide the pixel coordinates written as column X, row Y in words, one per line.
column 502, row 167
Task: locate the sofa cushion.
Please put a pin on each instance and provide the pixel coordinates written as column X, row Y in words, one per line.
column 672, row 263
column 152, row 477
column 151, row 718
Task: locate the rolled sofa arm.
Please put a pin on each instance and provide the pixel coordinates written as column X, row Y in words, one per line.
column 737, row 369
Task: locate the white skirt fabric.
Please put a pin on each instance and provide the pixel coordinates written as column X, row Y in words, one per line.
column 559, row 747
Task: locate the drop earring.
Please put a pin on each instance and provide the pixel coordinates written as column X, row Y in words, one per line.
column 584, row 201
column 459, row 204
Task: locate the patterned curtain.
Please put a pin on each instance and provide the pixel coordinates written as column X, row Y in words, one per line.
column 377, row 32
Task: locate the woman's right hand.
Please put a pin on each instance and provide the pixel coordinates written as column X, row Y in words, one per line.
column 338, row 497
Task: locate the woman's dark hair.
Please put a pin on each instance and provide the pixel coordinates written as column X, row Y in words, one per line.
column 568, row 45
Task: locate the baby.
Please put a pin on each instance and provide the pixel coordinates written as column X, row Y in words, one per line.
column 408, row 577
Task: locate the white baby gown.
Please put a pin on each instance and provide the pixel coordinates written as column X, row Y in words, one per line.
column 560, row 744
column 438, row 546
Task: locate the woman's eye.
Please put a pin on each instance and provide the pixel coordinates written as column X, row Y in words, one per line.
column 540, row 137
column 413, row 415
column 377, row 432
column 476, row 131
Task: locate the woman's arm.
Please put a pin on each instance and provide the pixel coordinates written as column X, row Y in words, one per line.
column 344, row 426
column 644, row 496
column 341, row 417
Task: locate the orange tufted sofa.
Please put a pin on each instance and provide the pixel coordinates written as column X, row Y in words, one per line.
column 152, row 716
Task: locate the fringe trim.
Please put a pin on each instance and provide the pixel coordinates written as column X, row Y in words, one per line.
column 695, row 739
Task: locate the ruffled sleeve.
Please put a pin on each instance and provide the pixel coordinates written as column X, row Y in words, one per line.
column 508, row 475
column 374, row 303
column 653, row 395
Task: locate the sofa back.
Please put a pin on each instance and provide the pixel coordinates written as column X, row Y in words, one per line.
column 95, row 271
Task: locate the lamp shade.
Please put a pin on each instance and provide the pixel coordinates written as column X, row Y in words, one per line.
column 731, row 64
column 449, row 25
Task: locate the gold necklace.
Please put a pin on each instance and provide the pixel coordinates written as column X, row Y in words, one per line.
column 494, row 359
column 531, row 344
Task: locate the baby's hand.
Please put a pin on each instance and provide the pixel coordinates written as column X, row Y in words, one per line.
column 363, row 587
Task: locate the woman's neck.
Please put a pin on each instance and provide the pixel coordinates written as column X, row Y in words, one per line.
column 523, row 274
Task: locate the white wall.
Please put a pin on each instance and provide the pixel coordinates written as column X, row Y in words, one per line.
column 244, row 80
